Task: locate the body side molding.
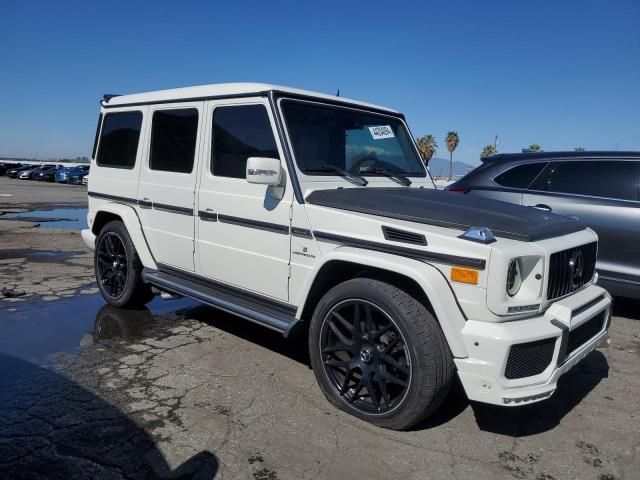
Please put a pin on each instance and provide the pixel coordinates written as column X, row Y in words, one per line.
column 477, row 263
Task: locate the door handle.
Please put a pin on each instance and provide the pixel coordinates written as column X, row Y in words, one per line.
column 541, row 206
column 145, row 203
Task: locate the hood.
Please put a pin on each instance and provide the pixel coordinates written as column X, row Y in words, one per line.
column 450, row 210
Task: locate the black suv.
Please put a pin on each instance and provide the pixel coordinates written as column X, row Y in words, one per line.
column 599, row 188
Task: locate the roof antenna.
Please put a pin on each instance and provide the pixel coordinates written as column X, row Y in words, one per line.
column 338, row 94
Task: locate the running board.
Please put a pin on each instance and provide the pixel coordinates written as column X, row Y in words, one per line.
column 262, row 311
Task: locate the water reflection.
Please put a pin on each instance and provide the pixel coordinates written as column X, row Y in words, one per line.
column 74, row 218
column 38, row 329
column 114, row 323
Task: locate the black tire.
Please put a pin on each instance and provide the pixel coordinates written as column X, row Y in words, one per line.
column 424, row 363
column 121, row 285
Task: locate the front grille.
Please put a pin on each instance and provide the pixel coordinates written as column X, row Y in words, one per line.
column 585, row 332
column 570, row 269
column 529, row 359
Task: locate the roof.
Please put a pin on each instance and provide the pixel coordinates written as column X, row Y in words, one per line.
column 224, row 90
column 506, row 157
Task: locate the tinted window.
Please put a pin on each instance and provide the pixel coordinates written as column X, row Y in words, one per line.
column 240, row 132
column 119, row 139
column 520, row 176
column 609, row 179
column 173, row 140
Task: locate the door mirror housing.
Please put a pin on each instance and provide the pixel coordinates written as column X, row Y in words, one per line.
column 264, row 170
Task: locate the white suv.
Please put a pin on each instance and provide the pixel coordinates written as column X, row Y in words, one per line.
column 291, row 208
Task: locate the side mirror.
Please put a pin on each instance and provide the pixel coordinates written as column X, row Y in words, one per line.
column 263, row 170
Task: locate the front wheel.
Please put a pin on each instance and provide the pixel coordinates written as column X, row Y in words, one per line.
column 379, row 354
column 119, row 269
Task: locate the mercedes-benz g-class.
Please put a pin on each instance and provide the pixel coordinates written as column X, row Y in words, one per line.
column 291, row 209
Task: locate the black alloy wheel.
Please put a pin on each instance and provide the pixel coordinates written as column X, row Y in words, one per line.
column 112, row 265
column 365, row 356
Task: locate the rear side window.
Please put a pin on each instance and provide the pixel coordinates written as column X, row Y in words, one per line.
column 173, row 140
column 240, row 132
column 608, row 179
column 119, row 140
column 520, row 176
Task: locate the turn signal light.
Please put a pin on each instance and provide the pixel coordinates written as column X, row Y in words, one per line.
column 464, row 275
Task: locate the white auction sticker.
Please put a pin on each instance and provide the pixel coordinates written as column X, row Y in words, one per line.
column 380, row 132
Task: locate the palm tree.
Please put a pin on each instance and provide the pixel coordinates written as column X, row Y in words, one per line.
column 452, row 141
column 488, row 150
column 534, row 147
column 427, row 146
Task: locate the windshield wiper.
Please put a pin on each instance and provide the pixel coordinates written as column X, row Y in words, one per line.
column 396, row 176
column 352, row 177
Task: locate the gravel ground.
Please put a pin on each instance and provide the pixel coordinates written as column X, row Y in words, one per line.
column 180, row 390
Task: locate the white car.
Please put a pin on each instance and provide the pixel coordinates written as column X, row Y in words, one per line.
column 293, row 209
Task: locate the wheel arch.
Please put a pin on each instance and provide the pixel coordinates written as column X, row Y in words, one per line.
column 129, row 217
column 421, row 280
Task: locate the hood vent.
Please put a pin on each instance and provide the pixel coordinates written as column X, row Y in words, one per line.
column 403, row 236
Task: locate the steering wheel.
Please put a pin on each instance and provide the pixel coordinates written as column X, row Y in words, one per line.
column 359, row 163
column 374, row 161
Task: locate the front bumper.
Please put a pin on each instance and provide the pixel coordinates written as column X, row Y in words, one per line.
column 483, row 372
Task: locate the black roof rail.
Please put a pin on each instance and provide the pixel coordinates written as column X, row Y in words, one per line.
column 108, row 96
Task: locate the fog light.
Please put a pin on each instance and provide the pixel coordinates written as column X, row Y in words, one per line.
column 523, row 308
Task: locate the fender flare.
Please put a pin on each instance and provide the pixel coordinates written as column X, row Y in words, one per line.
column 429, row 278
column 132, row 223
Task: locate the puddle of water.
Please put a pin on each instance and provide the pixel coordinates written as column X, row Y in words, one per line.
column 71, row 218
column 38, row 255
column 38, row 329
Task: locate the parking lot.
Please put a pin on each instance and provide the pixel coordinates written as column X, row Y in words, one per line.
column 180, row 390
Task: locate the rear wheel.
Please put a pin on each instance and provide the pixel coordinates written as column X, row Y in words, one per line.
column 379, row 354
column 118, row 268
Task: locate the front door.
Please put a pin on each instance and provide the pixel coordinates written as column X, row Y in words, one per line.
column 166, row 193
column 242, row 228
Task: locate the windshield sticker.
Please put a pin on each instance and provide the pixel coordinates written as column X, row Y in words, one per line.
column 383, row 131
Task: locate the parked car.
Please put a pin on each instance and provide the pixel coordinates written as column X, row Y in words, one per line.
column 5, row 166
column 77, row 178
column 598, row 188
column 34, row 172
column 14, row 172
column 296, row 207
column 62, row 175
column 48, row 175
column 85, row 180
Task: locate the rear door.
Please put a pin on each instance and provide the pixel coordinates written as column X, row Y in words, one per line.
column 166, row 193
column 603, row 194
column 118, row 154
column 243, row 229
column 510, row 184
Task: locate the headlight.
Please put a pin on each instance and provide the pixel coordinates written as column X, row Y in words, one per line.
column 514, row 277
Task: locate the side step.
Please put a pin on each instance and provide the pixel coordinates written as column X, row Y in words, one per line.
column 261, row 310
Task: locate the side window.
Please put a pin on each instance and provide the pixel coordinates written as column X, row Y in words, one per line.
column 119, row 140
column 520, row 176
column 608, row 179
column 240, row 132
column 173, row 140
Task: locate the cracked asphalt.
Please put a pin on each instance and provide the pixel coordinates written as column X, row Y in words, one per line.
column 180, row 390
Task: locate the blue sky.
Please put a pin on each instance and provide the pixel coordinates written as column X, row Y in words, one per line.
column 557, row 73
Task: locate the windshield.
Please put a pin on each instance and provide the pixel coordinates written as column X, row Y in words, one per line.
column 357, row 142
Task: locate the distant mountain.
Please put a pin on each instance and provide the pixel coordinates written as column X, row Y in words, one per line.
column 439, row 167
